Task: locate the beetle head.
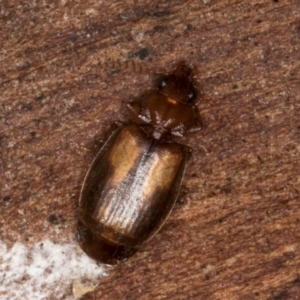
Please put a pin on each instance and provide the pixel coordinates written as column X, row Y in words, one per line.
column 179, row 85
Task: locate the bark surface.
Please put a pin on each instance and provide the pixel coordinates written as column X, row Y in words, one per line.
column 67, row 69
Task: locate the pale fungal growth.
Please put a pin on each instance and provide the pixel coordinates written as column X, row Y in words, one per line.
column 46, row 270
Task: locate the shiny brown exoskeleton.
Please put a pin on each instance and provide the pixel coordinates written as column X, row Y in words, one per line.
column 134, row 181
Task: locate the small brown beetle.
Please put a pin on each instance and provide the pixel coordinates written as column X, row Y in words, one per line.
column 134, row 181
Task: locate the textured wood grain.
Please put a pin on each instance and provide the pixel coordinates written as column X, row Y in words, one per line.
column 66, row 71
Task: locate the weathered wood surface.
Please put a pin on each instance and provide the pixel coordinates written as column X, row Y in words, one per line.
column 67, row 69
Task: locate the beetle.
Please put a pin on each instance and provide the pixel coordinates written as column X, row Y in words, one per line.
column 132, row 185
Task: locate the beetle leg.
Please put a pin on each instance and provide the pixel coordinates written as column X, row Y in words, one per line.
column 183, row 189
column 182, row 194
column 134, row 110
column 198, row 125
column 188, row 152
column 113, row 127
column 194, row 128
column 117, row 124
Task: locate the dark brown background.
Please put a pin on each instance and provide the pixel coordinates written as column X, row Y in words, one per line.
column 67, row 68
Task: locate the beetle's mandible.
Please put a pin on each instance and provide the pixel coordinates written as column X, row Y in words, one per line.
column 132, row 185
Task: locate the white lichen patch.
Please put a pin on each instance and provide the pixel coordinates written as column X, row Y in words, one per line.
column 45, row 271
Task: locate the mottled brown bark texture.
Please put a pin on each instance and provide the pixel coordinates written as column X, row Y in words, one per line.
column 67, row 69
